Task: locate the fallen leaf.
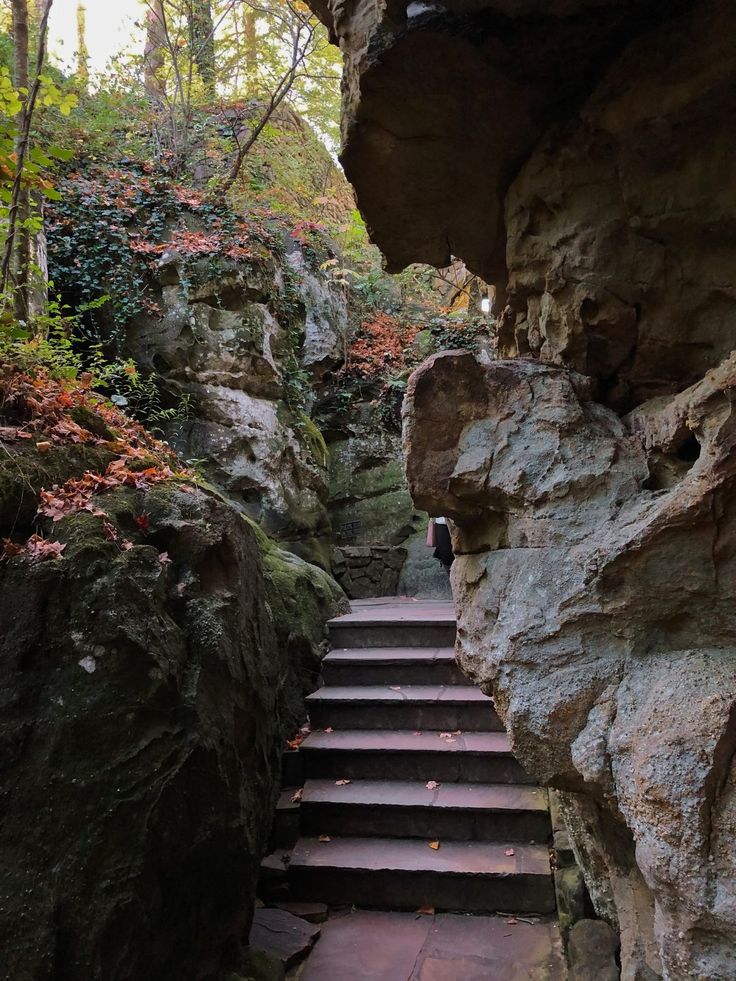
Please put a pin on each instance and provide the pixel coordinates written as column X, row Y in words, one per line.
column 141, row 521
column 329, row 729
column 44, row 447
column 164, row 558
column 126, row 546
column 509, row 852
column 342, row 783
column 512, row 921
column 426, row 910
column 325, row 838
column 434, row 845
column 432, row 785
column 395, row 688
column 417, row 733
column 296, row 797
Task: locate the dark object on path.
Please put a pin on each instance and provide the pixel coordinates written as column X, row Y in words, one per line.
column 282, row 935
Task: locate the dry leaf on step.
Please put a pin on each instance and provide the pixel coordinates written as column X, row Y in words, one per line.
column 434, row 845
column 325, row 838
column 395, row 687
column 417, row 733
column 512, row 921
column 296, row 797
column 432, row 785
column 426, row 910
column 329, row 729
column 341, row 783
column 509, row 852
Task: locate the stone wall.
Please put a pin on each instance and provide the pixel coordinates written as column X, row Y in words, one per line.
column 366, row 571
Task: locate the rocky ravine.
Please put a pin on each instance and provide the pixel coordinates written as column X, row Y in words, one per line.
column 577, row 154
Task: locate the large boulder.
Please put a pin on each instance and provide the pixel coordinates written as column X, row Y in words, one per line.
column 142, row 724
column 594, row 582
column 156, row 650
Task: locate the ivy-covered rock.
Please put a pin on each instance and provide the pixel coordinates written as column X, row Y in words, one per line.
column 230, row 314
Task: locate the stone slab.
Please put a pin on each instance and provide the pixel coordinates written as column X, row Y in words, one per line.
column 311, row 912
column 375, row 946
column 283, row 936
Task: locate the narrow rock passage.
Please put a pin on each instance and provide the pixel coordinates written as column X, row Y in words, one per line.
column 413, row 801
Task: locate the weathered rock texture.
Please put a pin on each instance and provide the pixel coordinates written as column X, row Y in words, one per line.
column 578, row 155
column 225, row 341
column 366, row 571
column 370, row 506
column 594, row 582
column 140, row 737
column 146, row 693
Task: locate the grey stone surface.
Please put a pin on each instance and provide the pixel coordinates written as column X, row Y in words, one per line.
column 374, row 946
column 283, row 936
column 612, row 687
column 423, row 575
column 368, row 571
column 592, row 952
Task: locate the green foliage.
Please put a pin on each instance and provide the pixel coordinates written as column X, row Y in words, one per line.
column 314, row 439
column 141, row 397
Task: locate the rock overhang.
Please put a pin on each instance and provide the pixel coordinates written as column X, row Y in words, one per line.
column 444, row 102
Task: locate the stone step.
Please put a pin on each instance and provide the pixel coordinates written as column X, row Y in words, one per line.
column 406, row 873
column 409, row 809
column 365, row 754
column 357, row 630
column 393, row 666
column 448, row 707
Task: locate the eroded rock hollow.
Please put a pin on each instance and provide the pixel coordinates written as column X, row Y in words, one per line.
column 579, row 155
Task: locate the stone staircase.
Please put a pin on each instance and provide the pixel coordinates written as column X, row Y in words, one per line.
column 412, row 797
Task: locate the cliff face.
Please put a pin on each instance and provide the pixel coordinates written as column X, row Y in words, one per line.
column 578, row 155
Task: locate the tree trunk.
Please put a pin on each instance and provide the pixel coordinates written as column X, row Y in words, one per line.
column 202, row 32
column 82, row 50
column 153, row 55
column 250, row 48
column 22, row 258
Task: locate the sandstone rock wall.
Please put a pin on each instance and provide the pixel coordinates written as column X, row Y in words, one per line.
column 579, row 155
